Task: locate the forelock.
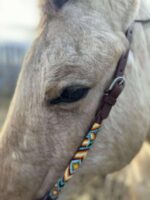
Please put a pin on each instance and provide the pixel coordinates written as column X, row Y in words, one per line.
column 51, row 6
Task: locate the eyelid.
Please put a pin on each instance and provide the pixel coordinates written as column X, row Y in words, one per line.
column 83, row 91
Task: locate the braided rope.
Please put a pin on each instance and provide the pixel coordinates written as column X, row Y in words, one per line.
column 75, row 162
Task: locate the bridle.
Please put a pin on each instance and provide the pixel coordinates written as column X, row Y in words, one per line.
column 106, row 103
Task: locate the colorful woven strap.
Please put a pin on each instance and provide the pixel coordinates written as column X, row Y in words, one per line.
column 75, row 162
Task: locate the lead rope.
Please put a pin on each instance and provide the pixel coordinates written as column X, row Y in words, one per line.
column 108, row 100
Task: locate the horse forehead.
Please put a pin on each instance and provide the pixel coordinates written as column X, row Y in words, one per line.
column 70, row 37
column 77, row 49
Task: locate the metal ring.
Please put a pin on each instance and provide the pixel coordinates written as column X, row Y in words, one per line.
column 119, row 79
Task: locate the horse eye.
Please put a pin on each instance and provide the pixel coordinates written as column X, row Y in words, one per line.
column 70, row 94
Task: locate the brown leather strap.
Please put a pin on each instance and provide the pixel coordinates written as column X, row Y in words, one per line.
column 112, row 93
column 142, row 21
column 124, row 58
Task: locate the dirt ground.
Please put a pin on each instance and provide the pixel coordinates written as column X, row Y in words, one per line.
column 131, row 183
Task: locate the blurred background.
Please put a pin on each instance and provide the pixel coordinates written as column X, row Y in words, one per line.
column 18, row 22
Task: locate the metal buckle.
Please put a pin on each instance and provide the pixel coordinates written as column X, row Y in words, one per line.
column 120, row 80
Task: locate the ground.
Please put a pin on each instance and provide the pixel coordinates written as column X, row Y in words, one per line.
column 131, row 183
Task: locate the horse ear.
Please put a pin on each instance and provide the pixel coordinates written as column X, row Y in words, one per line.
column 51, row 6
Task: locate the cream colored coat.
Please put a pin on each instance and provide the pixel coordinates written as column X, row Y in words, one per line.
column 80, row 44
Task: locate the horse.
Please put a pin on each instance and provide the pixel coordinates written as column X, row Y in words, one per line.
column 64, row 74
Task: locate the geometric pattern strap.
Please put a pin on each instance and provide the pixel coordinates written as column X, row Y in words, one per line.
column 75, row 162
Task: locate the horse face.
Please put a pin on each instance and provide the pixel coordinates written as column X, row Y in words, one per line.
column 61, row 83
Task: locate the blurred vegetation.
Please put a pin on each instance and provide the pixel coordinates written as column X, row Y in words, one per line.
column 4, row 104
column 11, row 57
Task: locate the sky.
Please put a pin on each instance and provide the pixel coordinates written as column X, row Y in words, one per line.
column 18, row 19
